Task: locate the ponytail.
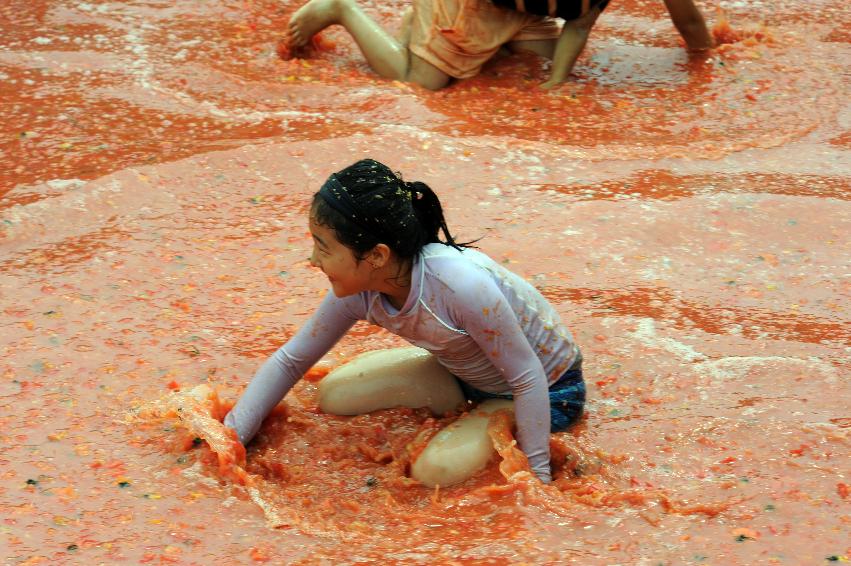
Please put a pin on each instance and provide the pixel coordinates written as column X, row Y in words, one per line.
column 429, row 212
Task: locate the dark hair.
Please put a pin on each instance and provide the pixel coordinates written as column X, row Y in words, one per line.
column 368, row 204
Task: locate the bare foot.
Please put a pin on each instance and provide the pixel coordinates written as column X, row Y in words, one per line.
column 312, row 18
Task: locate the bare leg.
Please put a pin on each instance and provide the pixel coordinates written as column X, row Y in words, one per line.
column 398, row 377
column 569, row 45
column 384, row 53
column 425, row 74
column 459, row 450
column 411, row 377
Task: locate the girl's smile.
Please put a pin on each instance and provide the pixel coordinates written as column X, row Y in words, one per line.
column 348, row 275
column 345, row 272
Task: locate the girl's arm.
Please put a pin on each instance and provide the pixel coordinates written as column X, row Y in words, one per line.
column 286, row 366
column 488, row 318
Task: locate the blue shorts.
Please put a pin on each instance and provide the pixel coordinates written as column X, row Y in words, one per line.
column 567, row 398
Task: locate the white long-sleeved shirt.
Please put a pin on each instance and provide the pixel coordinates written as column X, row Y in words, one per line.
column 485, row 324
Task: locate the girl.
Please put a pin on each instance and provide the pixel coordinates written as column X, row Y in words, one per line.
column 376, row 238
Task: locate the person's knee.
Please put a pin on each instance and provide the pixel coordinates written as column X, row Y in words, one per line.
column 431, row 83
column 460, row 450
column 425, row 74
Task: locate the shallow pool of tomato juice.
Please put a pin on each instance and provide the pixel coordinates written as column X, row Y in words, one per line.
column 686, row 215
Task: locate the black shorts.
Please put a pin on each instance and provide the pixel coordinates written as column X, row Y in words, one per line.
column 565, row 9
column 567, row 398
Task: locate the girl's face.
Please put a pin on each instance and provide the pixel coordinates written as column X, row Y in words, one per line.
column 347, row 275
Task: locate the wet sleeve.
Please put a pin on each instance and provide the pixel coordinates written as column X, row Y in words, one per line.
column 484, row 312
column 286, row 366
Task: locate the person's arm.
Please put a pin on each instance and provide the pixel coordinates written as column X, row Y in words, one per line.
column 690, row 23
column 483, row 311
column 286, row 366
column 571, row 42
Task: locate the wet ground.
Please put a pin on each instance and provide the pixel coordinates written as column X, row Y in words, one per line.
column 688, row 217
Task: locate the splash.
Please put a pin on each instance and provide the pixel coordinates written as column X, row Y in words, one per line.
column 201, row 412
column 725, row 34
column 320, row 505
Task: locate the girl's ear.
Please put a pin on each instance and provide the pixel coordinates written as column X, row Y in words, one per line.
column 379, row 256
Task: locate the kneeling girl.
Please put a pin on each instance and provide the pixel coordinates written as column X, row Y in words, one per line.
column 376, row 238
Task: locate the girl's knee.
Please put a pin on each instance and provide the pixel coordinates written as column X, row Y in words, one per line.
column 425, row 74
column 460, row 450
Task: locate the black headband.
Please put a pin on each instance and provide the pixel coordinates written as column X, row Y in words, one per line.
column 335, row 194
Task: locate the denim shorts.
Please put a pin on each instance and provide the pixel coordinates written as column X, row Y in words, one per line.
column 567, row 398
